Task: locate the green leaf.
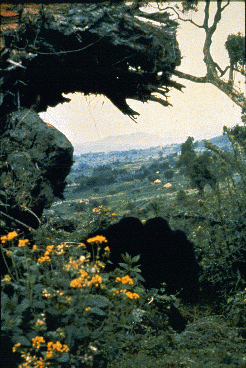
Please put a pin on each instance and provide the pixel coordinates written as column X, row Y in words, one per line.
column 22, row 340
column 64, row 358
column 97, row 300
column 136, row 269
column 39, row 304
column 126, row 257
column 124, row 265
column 25, row 303
column 97, row 311
column 136, row 258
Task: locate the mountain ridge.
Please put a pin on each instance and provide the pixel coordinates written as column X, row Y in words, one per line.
column 138, row 140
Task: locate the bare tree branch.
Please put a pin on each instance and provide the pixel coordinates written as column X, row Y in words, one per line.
column 190, row 77
column 214, row 71
column 17, row 221
column 157, row 16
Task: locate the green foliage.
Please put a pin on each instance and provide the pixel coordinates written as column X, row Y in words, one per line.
column 198, row 167
column 181, row 195
column 235, row 308
column 169, row 174
column 188, row 153
column 235, row 45
column 60, row 307
column 108, row 325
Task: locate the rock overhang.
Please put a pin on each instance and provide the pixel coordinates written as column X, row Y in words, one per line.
column 55, row 49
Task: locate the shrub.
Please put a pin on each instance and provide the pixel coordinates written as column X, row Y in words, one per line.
column 181, row 195
column 61, row 309
column 169, row 174
column 235, row 308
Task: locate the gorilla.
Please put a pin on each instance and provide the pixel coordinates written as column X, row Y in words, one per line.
column 165, row 255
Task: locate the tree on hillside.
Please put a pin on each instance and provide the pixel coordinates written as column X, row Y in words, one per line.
column 188, row 153
column 235, row 46
column 197, row 167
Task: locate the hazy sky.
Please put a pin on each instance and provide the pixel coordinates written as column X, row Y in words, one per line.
column 200, row 111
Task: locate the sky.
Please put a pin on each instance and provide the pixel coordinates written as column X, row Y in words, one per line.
column 200, row 111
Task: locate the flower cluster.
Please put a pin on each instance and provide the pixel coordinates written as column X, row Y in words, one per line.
column 46, row 257
column 55, row 347
column 22, row 242
column 124, row 280
column 6, row 279
column 9, row 236
column 98, row 210
column 86, row 280
column 32, row 361
column 97, row 239
column 75, row 264
column 51, row 249
column 128, row 293
column 57, row 293
column 37, row 341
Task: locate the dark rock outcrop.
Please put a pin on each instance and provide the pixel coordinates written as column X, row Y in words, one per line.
column 35, row 160
column 166, row 255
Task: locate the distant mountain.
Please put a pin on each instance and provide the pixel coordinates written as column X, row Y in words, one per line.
column 220, row 141
column 136, row 141
column 121, row 143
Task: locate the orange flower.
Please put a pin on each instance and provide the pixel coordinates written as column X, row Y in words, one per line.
column 49, row 248
column 98, row 238
column 6, row 278
column 10, row 236
column 16, row 346
column 43, row 259
column 81, row 245
column 125, row 280
column 36, row 341
column 132, row 295
column 22, row 243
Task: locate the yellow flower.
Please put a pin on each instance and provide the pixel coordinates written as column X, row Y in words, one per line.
column 35, row 247
column 16, row 346
column 7, row 278
column 43, row 259
column 49, row 248
column 96, row 279
column 113, row 214
column 107, row 249
column 36, row 341
column 22, row 242
column 98, row 238
column 45, row 293
column 57, row 346
column 132, row 295
column 87, row 308
column 81, row 245
column 49, row 354
column 40, row 322
column 10, row 236
column 83, row 273
column 125, row 280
